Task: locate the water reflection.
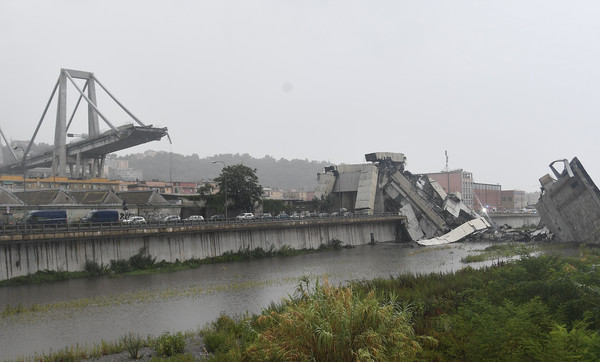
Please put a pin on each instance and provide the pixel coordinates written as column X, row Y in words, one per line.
column 86, row 311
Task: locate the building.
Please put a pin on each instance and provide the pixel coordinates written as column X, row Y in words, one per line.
column 272, row 193
column 514, row 200
column 185, row 188
column 15, row 182
column 487, row 196
column 456, row 180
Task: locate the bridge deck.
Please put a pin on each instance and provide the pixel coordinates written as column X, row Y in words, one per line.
column 110, row 141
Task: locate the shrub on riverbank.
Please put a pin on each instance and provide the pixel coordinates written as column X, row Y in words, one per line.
column 326, row 323
column 167, row 344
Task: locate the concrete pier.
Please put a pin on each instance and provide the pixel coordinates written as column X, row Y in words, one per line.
column 69, row 251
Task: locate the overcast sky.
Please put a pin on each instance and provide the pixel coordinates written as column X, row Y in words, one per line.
column 506, row 87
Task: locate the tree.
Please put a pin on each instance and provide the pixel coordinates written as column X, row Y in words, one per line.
column 274, row 207
column 240, row 183
column 325, row 203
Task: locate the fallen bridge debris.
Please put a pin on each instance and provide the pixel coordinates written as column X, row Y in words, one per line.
column 433, row 216
column 569, row 206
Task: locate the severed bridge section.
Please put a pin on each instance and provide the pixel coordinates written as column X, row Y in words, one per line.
column 85, row 157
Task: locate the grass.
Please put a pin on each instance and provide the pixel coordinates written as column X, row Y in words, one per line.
column 169, row 347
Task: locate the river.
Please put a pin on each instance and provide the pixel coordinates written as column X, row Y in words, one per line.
column 86, row 311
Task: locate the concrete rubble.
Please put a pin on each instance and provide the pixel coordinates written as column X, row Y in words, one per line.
column 433, row 216
column 569, row 205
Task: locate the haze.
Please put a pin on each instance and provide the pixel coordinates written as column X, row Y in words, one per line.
column 506, row 87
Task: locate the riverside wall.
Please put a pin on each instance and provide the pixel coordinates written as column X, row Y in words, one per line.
column 69, row 251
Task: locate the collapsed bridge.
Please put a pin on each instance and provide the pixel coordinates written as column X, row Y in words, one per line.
column 433, row 216
column 87, row 155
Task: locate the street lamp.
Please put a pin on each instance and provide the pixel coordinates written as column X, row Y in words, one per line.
column 24, row 177
column 225, row 187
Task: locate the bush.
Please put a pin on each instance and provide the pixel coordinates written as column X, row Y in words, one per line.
column 169, row 344
column 142, row 260
column 132, row 344
column 120, row 266
column 332, row 324
column 225, row 335
column 95, row 269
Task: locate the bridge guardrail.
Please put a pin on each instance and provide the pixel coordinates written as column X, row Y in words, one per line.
column 18, row 229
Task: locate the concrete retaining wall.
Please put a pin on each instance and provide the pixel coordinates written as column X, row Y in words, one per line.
column 516, row 220
column 70, row 251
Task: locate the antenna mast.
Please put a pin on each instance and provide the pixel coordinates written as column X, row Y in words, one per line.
column 446, row 169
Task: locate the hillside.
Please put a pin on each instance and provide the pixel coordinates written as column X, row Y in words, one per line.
column 164, row 166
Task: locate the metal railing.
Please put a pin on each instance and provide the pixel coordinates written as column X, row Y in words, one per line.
column 20, row 228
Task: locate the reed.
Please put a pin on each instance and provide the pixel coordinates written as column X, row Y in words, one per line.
column 132, row 344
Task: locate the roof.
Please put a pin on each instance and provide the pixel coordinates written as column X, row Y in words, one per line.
column 7, row 198
column 150, row 197
column 96, row 197
column 45, row 197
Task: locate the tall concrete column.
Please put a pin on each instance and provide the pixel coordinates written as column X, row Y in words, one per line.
column 59, row 162
column 101, row 166
column 93, row 126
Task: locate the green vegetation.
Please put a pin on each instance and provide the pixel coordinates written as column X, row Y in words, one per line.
column 240, row 184
column 274, row 207
column 168, row 347
column 133, row 345
column 295, row 174
column 78, row 353
column 325, row 203
column 537, row 308
column 167, row 344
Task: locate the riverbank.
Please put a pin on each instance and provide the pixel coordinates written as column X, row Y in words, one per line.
column 534, row 308
column 144, row 263
column 84, row 311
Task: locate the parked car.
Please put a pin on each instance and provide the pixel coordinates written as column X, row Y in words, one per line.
column 323, row 214
column 194, row 218
column 283, row 215
column 266, row 216
column 218, row 217
column 171, row 218
column 245, row 216
column 296, row 215
column 101, row 216
column 347, row 214
column 135, row 220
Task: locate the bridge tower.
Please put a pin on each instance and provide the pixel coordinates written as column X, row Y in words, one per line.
column 83, row 158
column 59, row 159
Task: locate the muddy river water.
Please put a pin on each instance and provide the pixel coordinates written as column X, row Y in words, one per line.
column 87, row 311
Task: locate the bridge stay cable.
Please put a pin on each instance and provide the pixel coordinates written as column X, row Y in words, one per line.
column 90, row 102
column 41, row 119
column 117, row 101
column 76, row 106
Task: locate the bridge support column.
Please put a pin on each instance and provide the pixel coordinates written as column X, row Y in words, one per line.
column 59, row 161
column 93, row 126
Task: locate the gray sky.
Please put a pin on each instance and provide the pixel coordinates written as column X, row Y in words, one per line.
column 505, row 86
